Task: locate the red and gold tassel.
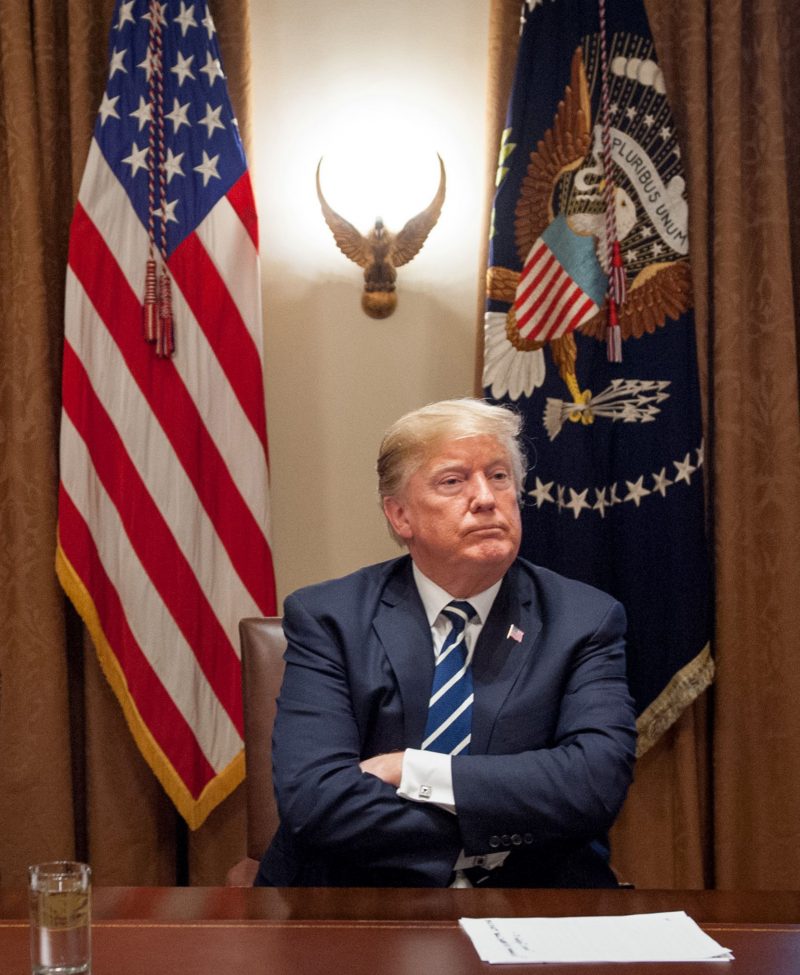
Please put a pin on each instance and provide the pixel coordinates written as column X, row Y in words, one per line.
column 166, row 334
column 617, row 285
column 150, row 319
column 613, row 334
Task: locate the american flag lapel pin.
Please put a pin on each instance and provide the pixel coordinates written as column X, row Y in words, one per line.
column 515, row 633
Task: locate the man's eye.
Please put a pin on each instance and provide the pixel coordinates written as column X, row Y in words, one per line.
column 450, row 483
column 500, row 476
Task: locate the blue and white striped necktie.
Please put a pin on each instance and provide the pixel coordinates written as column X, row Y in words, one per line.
column 449, row 726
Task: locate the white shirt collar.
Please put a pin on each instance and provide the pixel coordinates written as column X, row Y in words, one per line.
column 434, row 598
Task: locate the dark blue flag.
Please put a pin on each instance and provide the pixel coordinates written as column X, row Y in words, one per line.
column 614, row 495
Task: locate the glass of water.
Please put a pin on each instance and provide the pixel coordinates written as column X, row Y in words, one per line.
column 60, row 911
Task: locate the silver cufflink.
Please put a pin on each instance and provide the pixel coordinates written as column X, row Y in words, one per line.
column 424, row 792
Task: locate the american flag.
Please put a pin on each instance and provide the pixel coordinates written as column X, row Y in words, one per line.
column 163, row 506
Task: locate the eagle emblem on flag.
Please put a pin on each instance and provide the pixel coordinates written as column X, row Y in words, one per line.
column 560, row 237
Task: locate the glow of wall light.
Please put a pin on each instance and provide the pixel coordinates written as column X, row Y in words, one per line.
column 387, row 171
column 379, row 148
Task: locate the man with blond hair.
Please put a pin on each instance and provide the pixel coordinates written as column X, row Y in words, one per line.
column 456, row 716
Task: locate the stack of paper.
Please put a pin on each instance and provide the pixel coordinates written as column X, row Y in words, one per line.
column 671, row 936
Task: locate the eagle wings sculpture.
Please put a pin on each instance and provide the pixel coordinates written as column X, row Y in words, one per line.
column 381, row 252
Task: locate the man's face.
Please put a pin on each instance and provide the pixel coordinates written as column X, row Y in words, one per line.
column 459, row 515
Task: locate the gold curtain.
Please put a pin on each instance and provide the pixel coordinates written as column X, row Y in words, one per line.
column 71, row 780
column 715, row 801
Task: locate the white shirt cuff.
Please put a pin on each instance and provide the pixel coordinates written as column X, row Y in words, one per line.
column 427, row 777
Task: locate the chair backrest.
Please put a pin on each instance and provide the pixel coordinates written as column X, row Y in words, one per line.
column 263, row 645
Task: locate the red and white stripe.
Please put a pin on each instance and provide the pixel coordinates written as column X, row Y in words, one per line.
column 163, row 511
column 548, row 302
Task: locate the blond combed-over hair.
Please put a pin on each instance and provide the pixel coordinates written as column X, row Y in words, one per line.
column 412, row 438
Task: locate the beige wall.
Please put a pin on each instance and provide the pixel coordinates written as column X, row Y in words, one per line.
column 335, row 378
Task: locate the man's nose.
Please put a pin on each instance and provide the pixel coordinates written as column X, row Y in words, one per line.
column 483, row 495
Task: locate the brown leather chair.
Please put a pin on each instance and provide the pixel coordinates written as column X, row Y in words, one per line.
column 263, row 645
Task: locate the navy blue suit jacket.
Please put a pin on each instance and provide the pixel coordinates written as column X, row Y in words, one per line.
column 552, row 749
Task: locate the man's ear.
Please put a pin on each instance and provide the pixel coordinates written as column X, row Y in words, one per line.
column 395, row 512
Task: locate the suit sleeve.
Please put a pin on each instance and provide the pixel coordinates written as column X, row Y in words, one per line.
column 329, row 806
column 571, row 790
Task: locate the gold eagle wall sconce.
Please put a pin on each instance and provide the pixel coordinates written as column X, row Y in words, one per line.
column 381, row 252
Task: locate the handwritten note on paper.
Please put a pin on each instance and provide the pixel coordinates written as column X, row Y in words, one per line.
column 670, row 936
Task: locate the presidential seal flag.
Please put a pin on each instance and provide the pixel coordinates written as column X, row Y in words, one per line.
column 163, row 505
column 590, row 332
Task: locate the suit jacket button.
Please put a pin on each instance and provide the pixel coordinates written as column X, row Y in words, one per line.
column 505, row 840
column 528, row 838
column 494, row 842
column 516, row 839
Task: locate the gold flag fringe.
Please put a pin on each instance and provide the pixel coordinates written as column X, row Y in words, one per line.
column 194, row 810
column 684, row 688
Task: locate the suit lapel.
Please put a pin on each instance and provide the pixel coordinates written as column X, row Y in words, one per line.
column 498, row 656
column 402, row 628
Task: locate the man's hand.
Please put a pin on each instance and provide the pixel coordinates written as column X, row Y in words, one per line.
column 388, row 768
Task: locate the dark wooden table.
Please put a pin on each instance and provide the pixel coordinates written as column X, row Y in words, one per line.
column 228, row 931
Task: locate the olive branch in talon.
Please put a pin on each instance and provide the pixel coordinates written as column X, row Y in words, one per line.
column 629, row 400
